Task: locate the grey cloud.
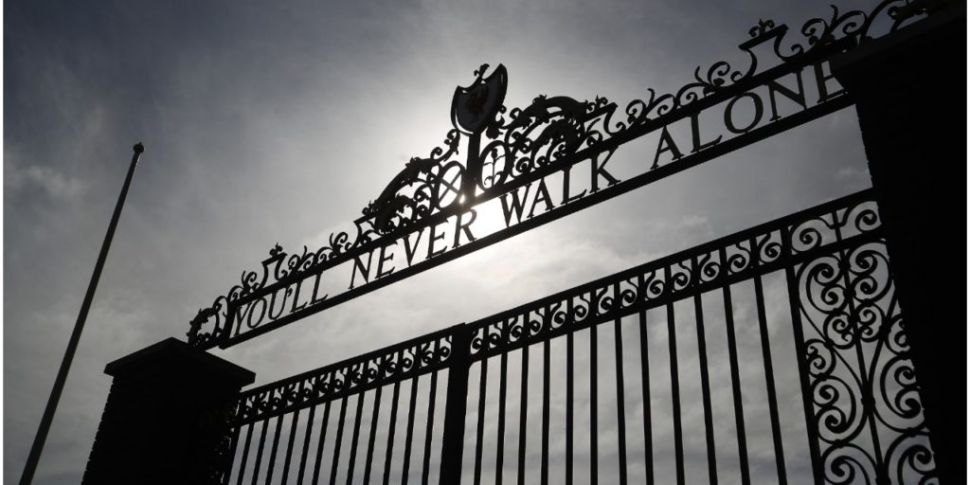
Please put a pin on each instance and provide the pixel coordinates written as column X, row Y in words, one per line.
column 55, row 184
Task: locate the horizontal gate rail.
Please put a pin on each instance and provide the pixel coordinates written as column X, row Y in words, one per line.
column 799, row 237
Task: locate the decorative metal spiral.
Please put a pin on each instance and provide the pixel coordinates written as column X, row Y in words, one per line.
column 862, row 381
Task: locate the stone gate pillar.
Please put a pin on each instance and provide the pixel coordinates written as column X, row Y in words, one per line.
column 910, row 94
column 165, row 420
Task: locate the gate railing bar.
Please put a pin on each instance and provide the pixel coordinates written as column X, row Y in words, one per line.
column 803, row 373
column 259, row 451
column 320, row 442
column 620, row 411
column 500, row 441
column 502, row 393
column 544, row 469
column 593, row 407
column 523, row 408
column 306, row 445
column 375, row 415
column 645, row 389
column 675, row 391
column 480, row 431
column 224, row 476
column 272, row 454
column 409, row 433
column 570, row 385
column 735, row 382
column 289, row 445
column 426, row 471
column 770, row 381
column 339, row 440
column 245, row 453
column 456, row 402
column 391, row 428
column 705, row 387
column 354, row 437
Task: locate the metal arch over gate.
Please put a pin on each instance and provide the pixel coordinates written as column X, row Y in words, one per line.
column 518, row 158
column 775, row 354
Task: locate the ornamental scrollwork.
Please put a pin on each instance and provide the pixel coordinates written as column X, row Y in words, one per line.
column 396, row 363
column 865, row 400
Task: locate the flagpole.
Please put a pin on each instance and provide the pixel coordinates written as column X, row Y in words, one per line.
column 45, row 423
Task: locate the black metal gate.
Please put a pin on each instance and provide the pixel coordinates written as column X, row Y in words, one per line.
column 772, row 355
column 775, row 355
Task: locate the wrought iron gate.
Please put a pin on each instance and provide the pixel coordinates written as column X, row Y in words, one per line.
column 778, row 354
column 801, row 375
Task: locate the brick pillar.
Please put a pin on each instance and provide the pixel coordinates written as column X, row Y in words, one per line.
column 910, row 94
column 165, row 420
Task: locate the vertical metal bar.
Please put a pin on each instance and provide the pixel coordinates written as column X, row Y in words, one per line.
column 430, row 430
column 645, row 389
column 306, row 445
column 593, row 408
column 675, row 392
column 620, row 397
column 355, row 438
column 456, row 402
column 544, row 471
column 375, row 416
column 806, row 388
column 770, row 382
column 705, row 388
column 480, row 431
column 569, row 407
column 736, row 383
column 391, row 428
column 272, row 453
column 259, row 451
column 320, row 441
column 289, row 446
column 231, row 457
column 245, row 453
column 502, row 392
column 523, row 407
column 340, row 438
column 409, row 432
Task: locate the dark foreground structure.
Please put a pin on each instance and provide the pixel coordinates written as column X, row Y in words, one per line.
column 872, row 287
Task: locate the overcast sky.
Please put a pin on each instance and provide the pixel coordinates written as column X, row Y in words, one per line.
column 267, row 123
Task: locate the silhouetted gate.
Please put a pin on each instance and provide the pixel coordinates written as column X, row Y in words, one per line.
column 792, row 323
column 778, row 354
